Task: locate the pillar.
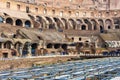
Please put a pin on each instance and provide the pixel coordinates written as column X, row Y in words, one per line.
column 20, row 50
column 29, row 50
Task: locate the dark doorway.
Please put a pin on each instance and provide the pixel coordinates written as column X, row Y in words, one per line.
column 33, row 49
column 27, row 24
column 56, row 46
column 19, row 22
column 83, row 27
column 109, row 27
column 5, row 55
column 101, row 29
column 49, row 45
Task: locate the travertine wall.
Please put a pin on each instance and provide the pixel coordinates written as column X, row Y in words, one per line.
column 28, row 62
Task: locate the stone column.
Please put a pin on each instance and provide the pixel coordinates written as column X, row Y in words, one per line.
column 29, row 50
column 20, row 50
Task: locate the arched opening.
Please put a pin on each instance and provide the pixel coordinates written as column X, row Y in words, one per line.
column 116, row 23
column 49, row 45
column 80, row 39
column 26, row 48
column 58, row 22
column 83, row 27
column 65, row 23
column 18, row 47
column 51, row 25
column 86, row 44
column 27, row 24
column 79, row 22
column 64, row 46
column 9, row 21
column 101, row 27
column 41, row 21
column 88, row 23
column 33, row 49
column 13, row 52
column 56, row 46
column 1, row 19
column 72, row 23
column 8, row 44
column 108, row 23
column 94, row 23
column 19, row 22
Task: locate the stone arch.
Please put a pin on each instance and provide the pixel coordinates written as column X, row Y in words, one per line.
column 19, row 22
column 79, row 23
column 59, row 23
column 27, row 23
column 9, row 20
column 83, row 27
column 94, row 24
column 18, row 46
column 101, row 25
column 88, row 23
column 108, row 24
column 65, row 23
column 117, row 23
column 51, row 24
column 8, row 44
column 26, row 49
column 1, row 19
column 72, row 23
column 41, row 21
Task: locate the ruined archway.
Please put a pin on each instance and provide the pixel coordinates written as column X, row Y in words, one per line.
column 9, row 21
column 26, row 49
column 27, row 24
column 1, row 19
column 94, row 24
column 59, row 23
column 8, row 44
column 79, row 22
column 18, row 46
column 51, row 24
column 88, row 23
column 19, row 22
column 101, row 27
column 65, row 23
column 108, row 23
column 41, row 21
column 72, row 23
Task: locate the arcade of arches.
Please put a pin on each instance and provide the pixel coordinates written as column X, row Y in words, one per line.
column 63, row 23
